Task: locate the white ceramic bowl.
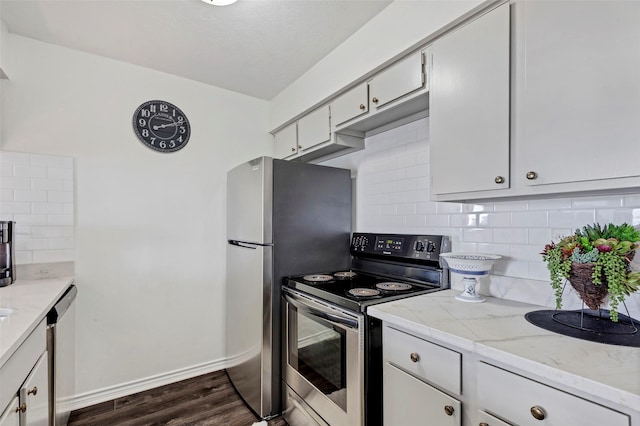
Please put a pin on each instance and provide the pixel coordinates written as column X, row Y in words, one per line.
column 477, row 264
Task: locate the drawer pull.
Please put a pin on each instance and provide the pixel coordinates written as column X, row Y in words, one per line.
column 22, row 408
column 537, row 412
column 293, row 149
column 483, row 424
column 449, row 410
column 532, row 175
column 374, row 100
column 362, row 107
column 414, row 357
column 33, row 391
column 499, row 179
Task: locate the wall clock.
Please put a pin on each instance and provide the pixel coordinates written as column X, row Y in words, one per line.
column 161, row 126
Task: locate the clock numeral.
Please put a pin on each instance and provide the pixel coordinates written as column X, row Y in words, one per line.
column 152, row 108
column 179, row 138
column 142, row 122
column 172, row 144
column 146, row 113
column 180, row 118
column 182, row 129
column 145, row 133
column 164, row 108
column 153, row 141
column 163, row 144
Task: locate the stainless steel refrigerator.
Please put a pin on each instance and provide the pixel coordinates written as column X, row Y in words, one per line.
column 283, row 218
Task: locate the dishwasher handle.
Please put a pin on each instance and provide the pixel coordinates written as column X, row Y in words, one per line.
column 62, row 305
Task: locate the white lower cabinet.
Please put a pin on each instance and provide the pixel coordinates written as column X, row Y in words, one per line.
column 410, row 401
column 524, row 402
column 24, row 390
column 486, row 419
column 11, row 416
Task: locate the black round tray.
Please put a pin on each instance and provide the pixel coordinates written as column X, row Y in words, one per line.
column 586, row 324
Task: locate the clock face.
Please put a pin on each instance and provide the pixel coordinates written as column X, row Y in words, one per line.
column 161, row 126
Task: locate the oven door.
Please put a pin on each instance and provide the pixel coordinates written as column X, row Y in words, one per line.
column 324, row 358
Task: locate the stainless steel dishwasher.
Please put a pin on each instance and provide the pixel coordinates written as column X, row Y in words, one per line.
column 61, row 356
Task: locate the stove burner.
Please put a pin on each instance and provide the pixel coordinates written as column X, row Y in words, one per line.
column 346, row 275
column 317, row 278
column 364, row 292
column 391, row 286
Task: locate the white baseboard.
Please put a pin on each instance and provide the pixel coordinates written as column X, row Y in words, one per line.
column 112, row 392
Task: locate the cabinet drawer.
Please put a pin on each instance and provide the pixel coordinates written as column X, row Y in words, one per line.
column 514, row 397
column 425, row 360
column 409, row 401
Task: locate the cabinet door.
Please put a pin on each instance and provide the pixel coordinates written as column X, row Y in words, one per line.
column 35, row 393
column 10, row 417
column 398, row 80
column 314, row 129
column 469, row 106
column 350, row 105
column 486, row 419
column 409, row 401
column 578, row 91
column 285, row 142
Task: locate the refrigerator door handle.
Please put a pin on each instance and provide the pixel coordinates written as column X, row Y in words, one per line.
column 251, row 246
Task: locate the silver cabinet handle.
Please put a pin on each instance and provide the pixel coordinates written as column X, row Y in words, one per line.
column 499, row 179
column 293, row 149
column 22, row 408
column 532, row 175
column 374, row 100
column 362, row 107
column 449, row 410
column 414, row 357
column 33, row 391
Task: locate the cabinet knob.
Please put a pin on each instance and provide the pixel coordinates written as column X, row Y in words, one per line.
column 537, row 412
column 362, row 107
column 293, row 149
column 499, row 179
column 22, row 408
column 483, row 424
column 374, row 100
column 449, row 410
column 532, row 175
column 33, row 391
column 414, row 357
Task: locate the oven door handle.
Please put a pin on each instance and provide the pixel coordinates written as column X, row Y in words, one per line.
column 333, row 318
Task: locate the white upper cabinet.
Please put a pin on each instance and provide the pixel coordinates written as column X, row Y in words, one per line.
column 469, row 106
column 285, row 142
column 350, row 105
column 314, row 129
column 578, row 91
column 402, row 78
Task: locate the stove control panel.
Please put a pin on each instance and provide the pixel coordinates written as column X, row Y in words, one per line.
column 401, row 246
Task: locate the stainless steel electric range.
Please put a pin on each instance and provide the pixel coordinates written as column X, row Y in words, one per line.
column 332, row 349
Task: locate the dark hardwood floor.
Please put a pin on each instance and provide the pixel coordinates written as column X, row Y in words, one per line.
column 200, row 401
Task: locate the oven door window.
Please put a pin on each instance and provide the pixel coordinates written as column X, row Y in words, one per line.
column 317, row 351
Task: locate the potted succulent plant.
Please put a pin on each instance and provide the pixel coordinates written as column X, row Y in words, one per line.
column 595, row 260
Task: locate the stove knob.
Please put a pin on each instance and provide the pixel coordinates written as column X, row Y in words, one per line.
column 431, row 247
column 419, row 246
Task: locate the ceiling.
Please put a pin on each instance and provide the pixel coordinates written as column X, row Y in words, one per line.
column 254, row 47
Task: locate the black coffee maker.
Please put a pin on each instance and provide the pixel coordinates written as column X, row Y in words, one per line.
column 7, row 262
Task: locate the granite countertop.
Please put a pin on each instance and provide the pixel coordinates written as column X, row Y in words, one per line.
column 30, row 300
column 497, row 330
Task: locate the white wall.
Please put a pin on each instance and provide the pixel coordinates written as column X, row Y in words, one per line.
column 398, row 27
column 392, row 195
column 150, row 227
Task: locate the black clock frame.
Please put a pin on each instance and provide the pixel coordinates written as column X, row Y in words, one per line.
column 161, row 126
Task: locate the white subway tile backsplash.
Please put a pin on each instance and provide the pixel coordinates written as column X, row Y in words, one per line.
column 38, row 194
column 398, row 161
